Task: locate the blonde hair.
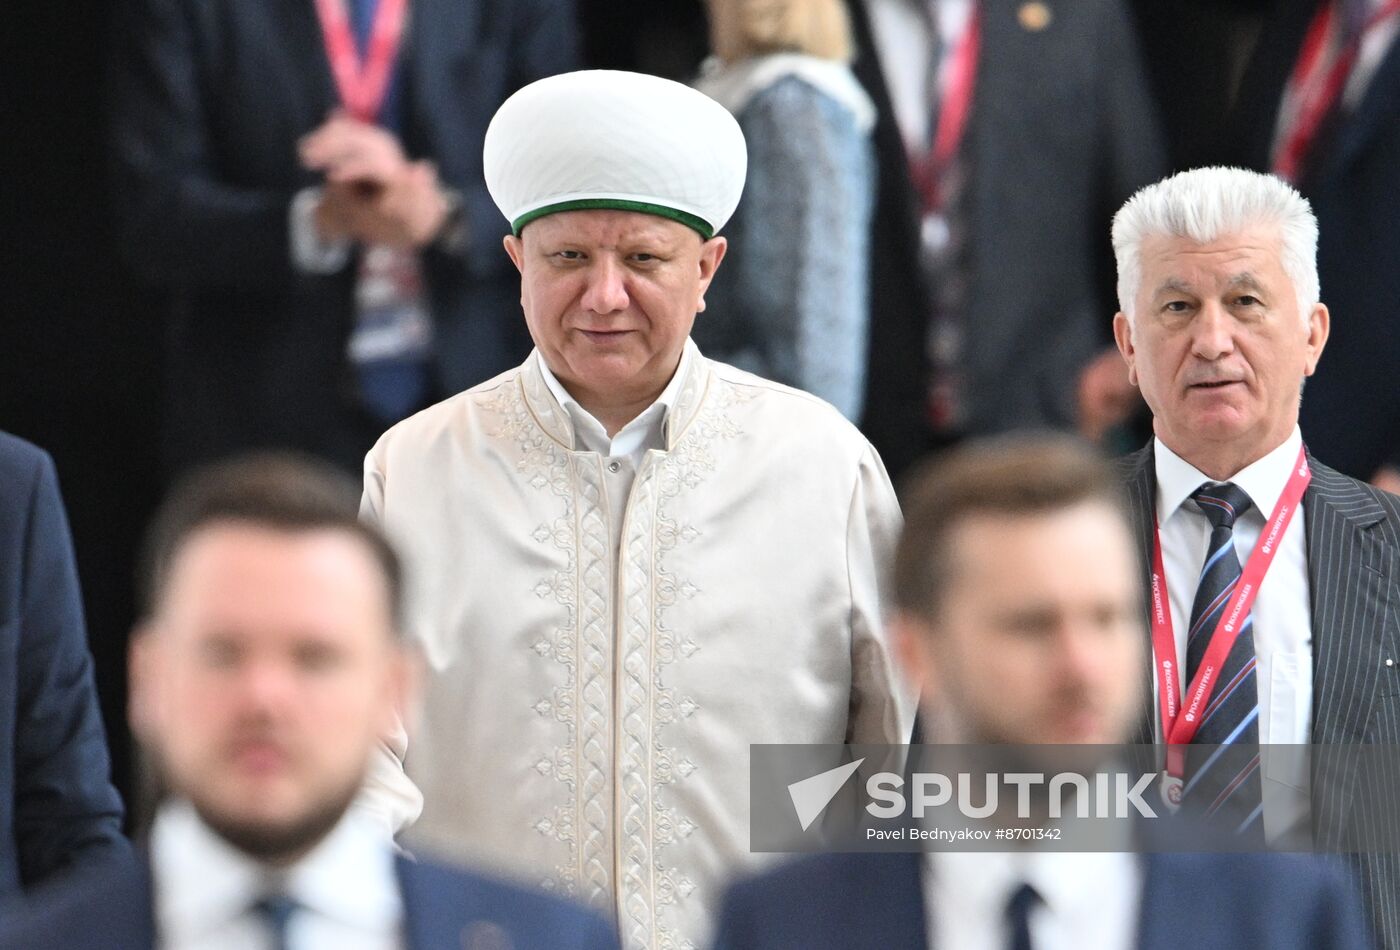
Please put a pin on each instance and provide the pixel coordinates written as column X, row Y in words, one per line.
column 816, row 27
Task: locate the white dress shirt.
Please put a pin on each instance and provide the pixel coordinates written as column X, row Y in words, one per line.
column 622, row 453
column 903, row 36
column 346, row 889
column 1086, row 900
column 1282, row 612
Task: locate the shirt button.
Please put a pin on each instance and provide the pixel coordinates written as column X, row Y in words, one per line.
column 614, row 467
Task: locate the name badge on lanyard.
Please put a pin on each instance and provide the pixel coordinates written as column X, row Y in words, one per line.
column 1180, row 711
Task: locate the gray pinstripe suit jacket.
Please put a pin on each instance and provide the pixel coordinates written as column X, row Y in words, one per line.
column 1353, row 543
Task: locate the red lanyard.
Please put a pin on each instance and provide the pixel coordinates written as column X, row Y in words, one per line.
column 1179, row 725
column 953, row 114
column 362, row 84
column 1319, row 84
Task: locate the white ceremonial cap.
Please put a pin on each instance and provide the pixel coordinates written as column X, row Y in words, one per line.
column 602, row 138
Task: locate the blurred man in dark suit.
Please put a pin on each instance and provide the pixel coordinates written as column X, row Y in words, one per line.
column 1320, row 106
column 1017, row 612
column 58, row 809
column 268, row 668
column 1008, row 133
column 305, row 180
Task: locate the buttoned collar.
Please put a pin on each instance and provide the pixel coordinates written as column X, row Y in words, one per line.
column 645, row 431
column 202, row 882
column 1263, row 480
column 565, row 421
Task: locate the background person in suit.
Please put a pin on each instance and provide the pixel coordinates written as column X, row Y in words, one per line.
column 1016, row 612
column 268, row 668
column 1220, row 325
column 329, row 243
column 58, row 809
column 1340, row 145
column 1008, row 133
column 795, row 306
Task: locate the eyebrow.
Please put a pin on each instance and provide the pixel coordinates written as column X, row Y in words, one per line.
column 1175, row 285
column 1245, row 280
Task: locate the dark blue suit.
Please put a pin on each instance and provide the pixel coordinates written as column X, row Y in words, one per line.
column 444, row 909
column 1351, row 409
column 1202, row 901
column 58, row 808
column 211, row 97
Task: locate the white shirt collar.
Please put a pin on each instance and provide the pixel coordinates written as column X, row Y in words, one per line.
column 646, row 431
column 1263, row 480
column 1066, row 881
column 202, row 881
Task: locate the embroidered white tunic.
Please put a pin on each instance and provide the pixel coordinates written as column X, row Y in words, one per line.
column 589, row 703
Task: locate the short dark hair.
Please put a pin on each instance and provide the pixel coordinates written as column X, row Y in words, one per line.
column 1009, row 475
column 279, row 490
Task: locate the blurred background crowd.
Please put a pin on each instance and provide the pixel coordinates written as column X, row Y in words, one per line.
column 923, row 240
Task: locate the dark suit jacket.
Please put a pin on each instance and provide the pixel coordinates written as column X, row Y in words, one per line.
column 1209, row 901
column 1353, row 541
column 210, row 98
column 58, row 808
column 444, row 909
column 1352, row 409
column 1062, row 131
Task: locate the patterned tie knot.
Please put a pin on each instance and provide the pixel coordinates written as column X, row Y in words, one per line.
column 1222, row 504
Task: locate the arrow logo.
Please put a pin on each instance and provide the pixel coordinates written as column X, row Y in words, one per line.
column 811, row 795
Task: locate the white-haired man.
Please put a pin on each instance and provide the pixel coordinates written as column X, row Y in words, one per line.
column 634, row 561
column 1288, row 639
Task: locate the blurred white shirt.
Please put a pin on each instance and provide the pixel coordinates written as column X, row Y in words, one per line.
column 1282, row 612
column 346, row 889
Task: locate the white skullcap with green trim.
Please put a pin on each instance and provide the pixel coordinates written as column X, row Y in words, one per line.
column 607, row 139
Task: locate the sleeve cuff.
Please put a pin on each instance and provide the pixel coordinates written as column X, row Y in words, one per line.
column 310, row 253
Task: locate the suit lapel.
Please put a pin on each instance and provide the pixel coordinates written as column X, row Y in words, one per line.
column 440, row 32
column 312, row 90
column 895, row 905
column 1347, row 577
column 1140, row 489
column 431, row 917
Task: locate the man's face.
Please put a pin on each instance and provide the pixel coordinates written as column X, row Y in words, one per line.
column 265, row 679
column 610, row 296
column 1039, row 638
column 1219, row 348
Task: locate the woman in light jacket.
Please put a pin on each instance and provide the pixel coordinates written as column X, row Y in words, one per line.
column 793, row 304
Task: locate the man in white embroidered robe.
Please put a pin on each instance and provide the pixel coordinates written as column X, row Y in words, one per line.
column 633, row 561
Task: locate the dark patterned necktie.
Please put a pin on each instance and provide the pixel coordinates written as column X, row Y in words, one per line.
column 1018, row 917
column 1222, row 780
column 276, row 911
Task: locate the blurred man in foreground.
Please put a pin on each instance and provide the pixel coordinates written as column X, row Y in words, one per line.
column 1017, row 611
column 268, row 670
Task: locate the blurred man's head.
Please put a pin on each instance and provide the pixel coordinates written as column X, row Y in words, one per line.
column 269, row 665
column 1220, row 320
column 1019, row 610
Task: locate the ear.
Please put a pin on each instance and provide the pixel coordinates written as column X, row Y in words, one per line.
column 143, row 661
column 711, row 253
column 405, row 674
column 515, row 250
column 1123, row 336
column 1319, row 326
column 913, row 647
